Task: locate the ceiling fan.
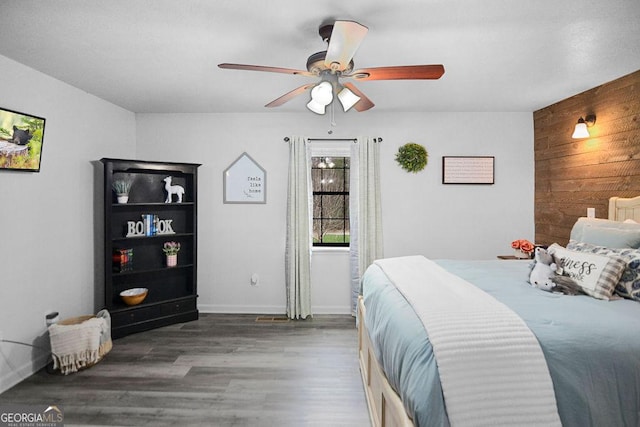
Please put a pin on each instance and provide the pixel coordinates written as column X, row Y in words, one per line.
column 343, row 39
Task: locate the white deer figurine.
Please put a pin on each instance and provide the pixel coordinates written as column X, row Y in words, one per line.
column 172, row 189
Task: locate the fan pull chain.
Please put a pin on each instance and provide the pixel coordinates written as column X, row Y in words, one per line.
column 333, row 113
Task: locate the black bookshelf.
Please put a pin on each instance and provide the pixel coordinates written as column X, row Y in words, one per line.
column 172, row 296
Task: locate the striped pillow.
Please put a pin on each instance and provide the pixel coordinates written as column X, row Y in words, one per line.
column 629, row 284
column 596, row 274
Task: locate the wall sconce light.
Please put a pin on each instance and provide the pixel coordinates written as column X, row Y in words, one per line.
column 581, row 130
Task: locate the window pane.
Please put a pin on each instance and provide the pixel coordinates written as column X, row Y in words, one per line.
column 330, row 180
column 316, row 177
column 317, row 207
column 334, row 232
column 333, row 207
column 347, row 178
column 317, row 231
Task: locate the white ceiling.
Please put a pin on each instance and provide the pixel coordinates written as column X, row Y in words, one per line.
column 162, row 55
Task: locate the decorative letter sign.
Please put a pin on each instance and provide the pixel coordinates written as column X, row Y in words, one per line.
column 150, row 225
column 245, row 181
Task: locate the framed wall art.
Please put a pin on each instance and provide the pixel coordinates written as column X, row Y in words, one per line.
column 468, row 169
column 245, row 181
column 21, row 137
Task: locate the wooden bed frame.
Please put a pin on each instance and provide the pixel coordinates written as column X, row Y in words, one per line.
column 385, row 407
column 622, row 209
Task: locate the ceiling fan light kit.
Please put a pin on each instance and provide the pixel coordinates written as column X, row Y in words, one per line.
column 347, row 98
column 343, row 39
column 321, row 96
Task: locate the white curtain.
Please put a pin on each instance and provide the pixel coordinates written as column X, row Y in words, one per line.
column 365, row 211
column 298, row 249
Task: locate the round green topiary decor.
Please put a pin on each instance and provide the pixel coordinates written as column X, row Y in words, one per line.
column 412, row 157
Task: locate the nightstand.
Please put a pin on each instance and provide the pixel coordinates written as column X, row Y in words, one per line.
column 512, row 257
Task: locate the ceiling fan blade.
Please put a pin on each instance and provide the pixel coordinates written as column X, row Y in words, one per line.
column 401, row 72
column 343, row 44
column 264, row 68
column 290, row 95
column 365, row 103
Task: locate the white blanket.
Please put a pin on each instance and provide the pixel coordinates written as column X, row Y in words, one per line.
column 491, row 366
column 80, row 345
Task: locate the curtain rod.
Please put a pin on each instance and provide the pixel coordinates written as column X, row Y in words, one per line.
column 286, row 139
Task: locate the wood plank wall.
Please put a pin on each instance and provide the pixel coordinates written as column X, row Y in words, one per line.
column 572, row 175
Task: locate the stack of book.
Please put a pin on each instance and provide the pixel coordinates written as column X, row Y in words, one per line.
column 150, row 224
column 122, row 260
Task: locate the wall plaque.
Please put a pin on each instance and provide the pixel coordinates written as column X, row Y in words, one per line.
column 245, row 181
column 467, row 169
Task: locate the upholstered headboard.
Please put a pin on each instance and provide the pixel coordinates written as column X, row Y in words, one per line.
column 621, row 209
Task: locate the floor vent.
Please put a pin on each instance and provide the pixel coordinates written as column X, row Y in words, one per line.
column 272, row 319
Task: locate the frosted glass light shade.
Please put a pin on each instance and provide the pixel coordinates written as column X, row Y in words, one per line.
column 582, row 127
column 581, row 130
column 316, row 107
column 321, row 96
column 323, row 93
column 347, row 98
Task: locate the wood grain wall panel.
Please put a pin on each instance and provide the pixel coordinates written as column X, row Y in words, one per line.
column 572, row 175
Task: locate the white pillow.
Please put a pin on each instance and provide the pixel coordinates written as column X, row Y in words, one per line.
column 604, row 232
column 597, row 275
column 611, row 237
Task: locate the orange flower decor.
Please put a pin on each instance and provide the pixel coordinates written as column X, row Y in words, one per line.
column 523, row 245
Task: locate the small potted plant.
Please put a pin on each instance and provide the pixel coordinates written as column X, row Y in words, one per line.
column 121, row 188
column 171, row 250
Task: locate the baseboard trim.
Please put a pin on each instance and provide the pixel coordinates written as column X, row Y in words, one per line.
column 267, row 309
column 22, row 372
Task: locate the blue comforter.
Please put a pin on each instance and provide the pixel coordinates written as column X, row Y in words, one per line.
column 592, row 347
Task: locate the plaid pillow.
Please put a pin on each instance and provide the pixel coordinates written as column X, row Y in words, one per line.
column 596, row 274
column 629, row 284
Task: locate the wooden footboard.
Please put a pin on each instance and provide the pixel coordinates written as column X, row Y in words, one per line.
column 385, row 406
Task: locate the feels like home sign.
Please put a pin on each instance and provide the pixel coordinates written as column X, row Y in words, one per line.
column 245, row 181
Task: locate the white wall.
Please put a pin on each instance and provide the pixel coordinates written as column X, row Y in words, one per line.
column 48, row 241
column 51, row 244
column 420, row 215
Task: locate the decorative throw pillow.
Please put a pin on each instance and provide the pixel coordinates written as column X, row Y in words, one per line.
column 629, row 284
column 596, row 274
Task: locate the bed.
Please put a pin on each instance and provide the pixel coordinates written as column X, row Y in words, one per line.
column 590, row 346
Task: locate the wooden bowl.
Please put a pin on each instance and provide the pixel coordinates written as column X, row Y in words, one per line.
column 134, row 296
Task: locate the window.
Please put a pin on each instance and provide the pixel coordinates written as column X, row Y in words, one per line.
column 330, row 181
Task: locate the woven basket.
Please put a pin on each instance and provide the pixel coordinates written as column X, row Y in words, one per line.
column 76, row 320
column 105, row 348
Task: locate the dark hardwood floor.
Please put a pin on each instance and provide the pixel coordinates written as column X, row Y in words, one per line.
column 221, row 370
